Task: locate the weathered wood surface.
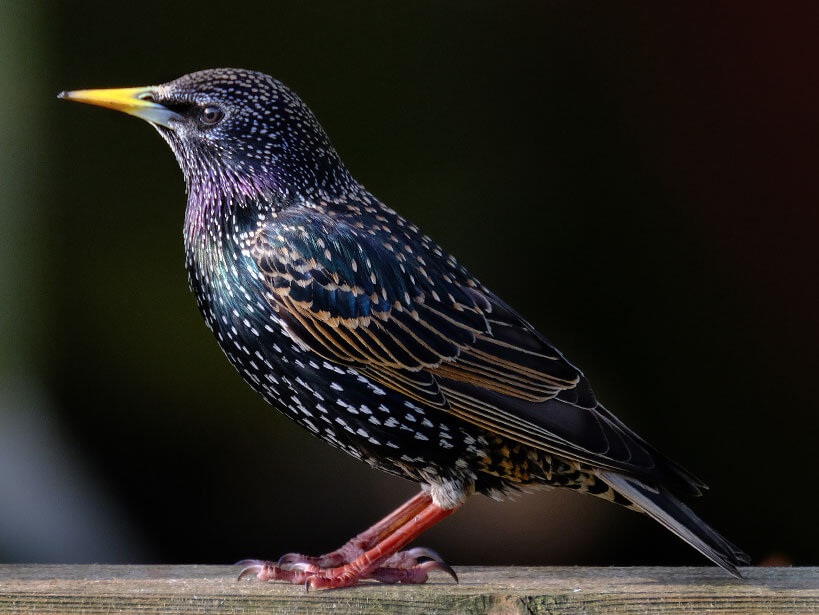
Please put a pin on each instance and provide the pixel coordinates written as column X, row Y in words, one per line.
column 494, row 591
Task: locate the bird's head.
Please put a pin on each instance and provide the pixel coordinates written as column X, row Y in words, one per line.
column 234, row 130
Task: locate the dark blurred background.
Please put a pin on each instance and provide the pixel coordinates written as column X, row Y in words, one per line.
column 638, row 179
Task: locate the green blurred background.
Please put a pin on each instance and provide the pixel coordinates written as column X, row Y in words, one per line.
column 638, row 179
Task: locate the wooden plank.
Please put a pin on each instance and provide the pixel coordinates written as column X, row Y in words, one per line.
column 492, row 591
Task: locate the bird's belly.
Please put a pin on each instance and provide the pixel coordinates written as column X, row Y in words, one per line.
column 371, row 422
column 342, row 407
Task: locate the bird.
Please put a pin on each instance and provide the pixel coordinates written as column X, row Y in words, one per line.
column 359, row 327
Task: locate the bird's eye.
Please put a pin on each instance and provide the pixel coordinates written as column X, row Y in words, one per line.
column 211, row 114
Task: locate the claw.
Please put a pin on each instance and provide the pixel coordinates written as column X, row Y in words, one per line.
column 414, row 575
column 442, row 566
column 424, row 552
column 256, row 568
column 289, row 558
column 409, row 558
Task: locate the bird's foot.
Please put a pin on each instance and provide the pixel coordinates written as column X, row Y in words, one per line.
column 321, row 573
column 351, row 551
column 373, row 554
column 350, row 574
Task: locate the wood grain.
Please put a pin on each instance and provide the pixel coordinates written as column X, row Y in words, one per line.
column 493, row 591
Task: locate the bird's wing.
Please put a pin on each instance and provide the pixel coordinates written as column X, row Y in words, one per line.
column 388, row 302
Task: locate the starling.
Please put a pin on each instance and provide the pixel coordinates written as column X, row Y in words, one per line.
column 361, row 329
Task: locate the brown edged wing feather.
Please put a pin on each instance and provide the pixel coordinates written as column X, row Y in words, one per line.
column 387, row 302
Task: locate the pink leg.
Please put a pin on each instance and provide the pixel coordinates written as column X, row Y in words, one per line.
column 367, row 564
column 366, row 539
column 375, row 553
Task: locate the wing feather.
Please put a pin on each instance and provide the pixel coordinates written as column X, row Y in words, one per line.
column 395, row 308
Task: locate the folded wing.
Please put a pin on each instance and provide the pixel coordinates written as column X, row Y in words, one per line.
column 386, row 301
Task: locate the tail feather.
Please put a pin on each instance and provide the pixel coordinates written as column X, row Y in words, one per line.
column 659, row 504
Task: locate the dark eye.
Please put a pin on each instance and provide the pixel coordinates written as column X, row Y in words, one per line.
column 211, row 114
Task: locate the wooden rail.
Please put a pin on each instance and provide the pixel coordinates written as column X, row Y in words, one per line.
column 493, row 591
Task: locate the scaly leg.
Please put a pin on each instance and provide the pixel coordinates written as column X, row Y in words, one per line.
column 369, row 563
column 368, row 538
column 380, row 559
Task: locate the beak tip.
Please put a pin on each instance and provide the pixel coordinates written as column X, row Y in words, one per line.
column 64, row 94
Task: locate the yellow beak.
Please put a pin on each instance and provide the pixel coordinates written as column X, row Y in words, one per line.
column 133, row 101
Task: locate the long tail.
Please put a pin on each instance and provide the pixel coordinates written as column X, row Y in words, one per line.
column 659, row 504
